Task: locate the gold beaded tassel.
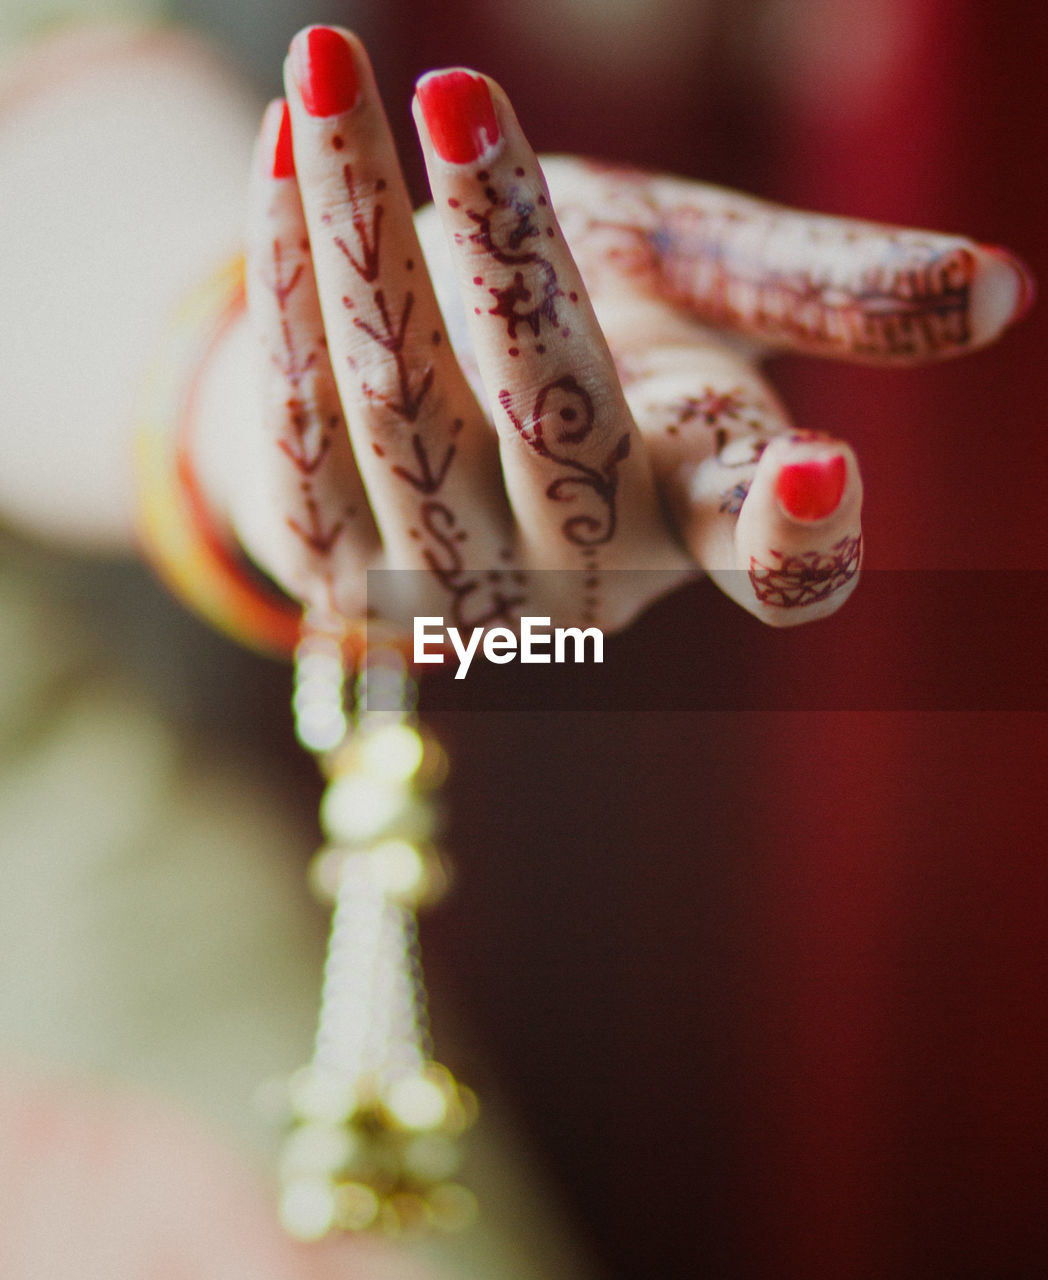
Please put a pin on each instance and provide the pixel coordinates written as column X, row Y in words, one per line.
column 375, row 1120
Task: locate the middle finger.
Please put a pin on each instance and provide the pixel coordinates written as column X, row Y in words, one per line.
column 424, row 450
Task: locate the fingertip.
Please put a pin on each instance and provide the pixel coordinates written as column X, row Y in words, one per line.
column 323, row 69
column 456, row 108
column 1024, row 284
column 276, row 156
column 811, row 490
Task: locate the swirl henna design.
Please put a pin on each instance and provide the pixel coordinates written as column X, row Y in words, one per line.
column 508, row 248
column 797, row 581
column 583, row 529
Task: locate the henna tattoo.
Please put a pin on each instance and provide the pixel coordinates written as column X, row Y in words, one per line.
column 882, row 294
column 711, row 407
column 368, row 238
column 312, row 438
column 591, row 585
column 575, row 406
column 427, row 481
column 476, row 600
column 312, row 435
column 392, row 338
column 444, row 561
column 510, row 250
column 314, row 535
column 797, row 581
column 733, row 498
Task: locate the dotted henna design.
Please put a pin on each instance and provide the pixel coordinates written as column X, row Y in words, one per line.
column 561, row 418
column 796, row 581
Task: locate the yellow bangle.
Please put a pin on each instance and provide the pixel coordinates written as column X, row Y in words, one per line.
column 206, row 571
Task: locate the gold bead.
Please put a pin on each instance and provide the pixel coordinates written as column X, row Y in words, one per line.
column 356, row 1206
column 322, row 1095
column 307, row 1208
column 392, row 751
column 418, row 1103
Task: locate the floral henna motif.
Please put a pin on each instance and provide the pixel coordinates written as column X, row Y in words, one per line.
column 509, row 248
column 569, row 407
column 800, row 580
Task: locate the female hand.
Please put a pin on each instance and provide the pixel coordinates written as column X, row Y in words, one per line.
column 594, row 408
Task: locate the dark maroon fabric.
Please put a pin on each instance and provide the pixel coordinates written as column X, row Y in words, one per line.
column 769, row 986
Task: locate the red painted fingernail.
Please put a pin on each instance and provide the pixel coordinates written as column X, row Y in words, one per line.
column 812, row 490
column 1027, row 285
column 322, row 64
column 459, row 115
column 277, row 153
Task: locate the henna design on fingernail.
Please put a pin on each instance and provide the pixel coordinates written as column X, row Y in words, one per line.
column 797, row 581
column 584, row 529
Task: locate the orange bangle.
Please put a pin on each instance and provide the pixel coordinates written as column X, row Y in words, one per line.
column 206, row 571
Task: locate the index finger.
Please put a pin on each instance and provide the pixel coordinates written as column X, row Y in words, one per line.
column 790, row 280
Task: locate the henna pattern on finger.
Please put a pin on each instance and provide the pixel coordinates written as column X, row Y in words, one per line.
column 569, row 425
column 392, row 338
column 308, row 445
column 475, row 600
column 797, row 581
column 368, row 238
column 444, row 560
column 884, row 295
column 879, row 293
column 731, row 500
column 314, row 534
column 428, row 480
column 508, row 247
